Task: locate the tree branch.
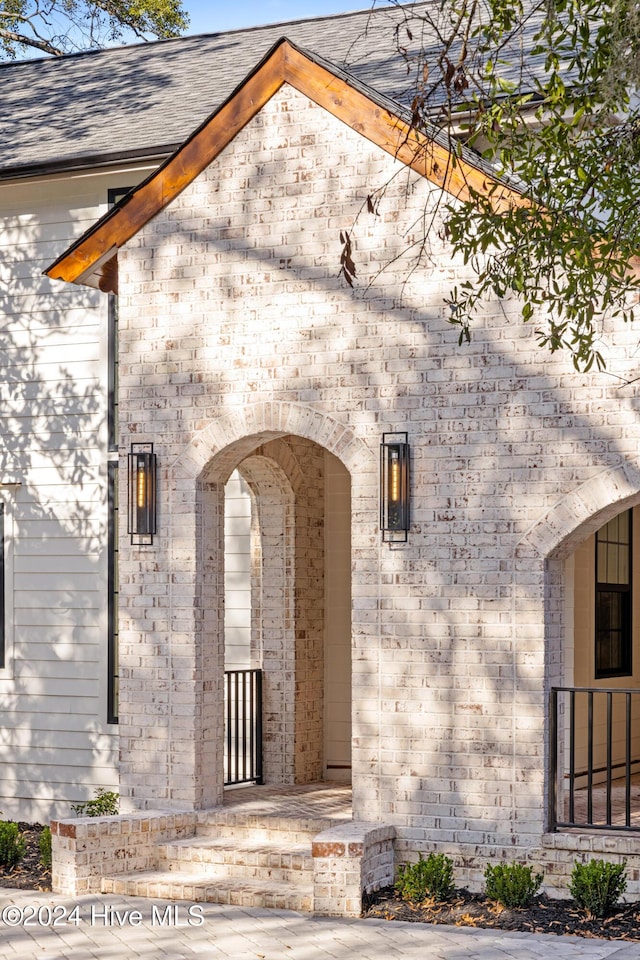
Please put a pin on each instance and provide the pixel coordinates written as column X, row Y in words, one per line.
column 26, row 41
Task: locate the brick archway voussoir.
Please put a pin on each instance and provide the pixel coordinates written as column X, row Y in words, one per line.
column 238, row 433
column 581, row 512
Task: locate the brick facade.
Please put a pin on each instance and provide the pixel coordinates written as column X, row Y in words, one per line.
column 239, row 341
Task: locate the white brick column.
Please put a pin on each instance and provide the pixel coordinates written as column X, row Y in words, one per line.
column 172, row 651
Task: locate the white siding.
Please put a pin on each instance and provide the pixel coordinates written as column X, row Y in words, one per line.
column 55, row 744
column 237, row 574
column 337, row 652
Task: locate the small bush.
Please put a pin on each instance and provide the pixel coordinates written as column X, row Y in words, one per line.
column 105, row 805
column 512, row 885
column 12, row 844
column 45, row 848
column 432, row 878
column 597, row 886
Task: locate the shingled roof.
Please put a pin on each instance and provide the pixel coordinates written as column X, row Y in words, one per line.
column 92, row 259
column 146, row 99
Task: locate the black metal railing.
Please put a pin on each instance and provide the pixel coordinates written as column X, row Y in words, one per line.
column 243, row 726
column 595, row 752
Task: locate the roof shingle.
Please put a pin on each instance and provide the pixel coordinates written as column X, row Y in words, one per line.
column 146, row 99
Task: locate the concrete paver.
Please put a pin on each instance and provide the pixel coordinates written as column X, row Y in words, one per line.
column 41, row 926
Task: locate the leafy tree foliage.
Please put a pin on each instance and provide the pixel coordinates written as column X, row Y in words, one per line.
column 547, row 91
column 61, row 26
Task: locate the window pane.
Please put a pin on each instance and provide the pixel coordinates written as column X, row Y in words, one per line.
column 601, row 568
column 613, row 550
column 611, row 529
column 613, row 648
column 613, row 597
column 623, row 565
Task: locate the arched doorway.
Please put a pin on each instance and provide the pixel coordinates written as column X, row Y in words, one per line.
column 287, row 586
column 595, row 686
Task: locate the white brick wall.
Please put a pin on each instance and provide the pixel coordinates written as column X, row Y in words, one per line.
column 236, row 329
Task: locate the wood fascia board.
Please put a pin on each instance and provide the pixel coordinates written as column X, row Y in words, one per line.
column 392, row 134
column 285, row 65
column 177, row 173
column 107, row 278
column 384, row 128
column 91, row 275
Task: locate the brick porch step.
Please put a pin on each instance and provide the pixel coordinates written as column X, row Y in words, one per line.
column 278, row 859
column 255, row 849
column 170, row 885
column 233, row 858
column 254, row 827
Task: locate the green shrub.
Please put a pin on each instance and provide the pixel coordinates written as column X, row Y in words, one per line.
column 597, row 886
column 12, row 844
column 432, row 878
column 512, row 885
column 105, row 805
column 45, row 848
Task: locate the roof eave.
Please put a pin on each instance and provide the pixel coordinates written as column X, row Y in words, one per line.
column 373, row 117
column 90, row 162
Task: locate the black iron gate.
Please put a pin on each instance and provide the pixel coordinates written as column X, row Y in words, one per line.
column 243, row 726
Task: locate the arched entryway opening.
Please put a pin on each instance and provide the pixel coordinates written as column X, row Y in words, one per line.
column 287, row 600
column 592, row 619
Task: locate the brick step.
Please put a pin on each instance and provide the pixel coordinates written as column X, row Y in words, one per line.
column 251, row 827
column 239, row 858
column 164, row 885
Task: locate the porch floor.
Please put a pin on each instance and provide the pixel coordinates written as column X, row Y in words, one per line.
column 314, row 801
column 599, row 810
column 332, row 801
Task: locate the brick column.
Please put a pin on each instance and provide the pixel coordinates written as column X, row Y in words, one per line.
column 172, row 652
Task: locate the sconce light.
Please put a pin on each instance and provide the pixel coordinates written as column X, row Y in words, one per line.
column 142, row 494
column 394, row 488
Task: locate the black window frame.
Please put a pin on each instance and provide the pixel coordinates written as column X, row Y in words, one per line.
column 614, row 601
column 114, row 195
column 113, row 583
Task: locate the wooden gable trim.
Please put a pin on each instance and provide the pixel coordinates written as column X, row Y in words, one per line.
column 79, row 262
column 85, row 262
column 424, row 155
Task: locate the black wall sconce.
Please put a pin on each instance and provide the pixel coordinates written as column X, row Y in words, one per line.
column 394, row 488
column 142, row 494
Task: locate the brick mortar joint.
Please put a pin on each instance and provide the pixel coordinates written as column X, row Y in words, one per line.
column 129, row 824
column 353, row 840
column 613, row 844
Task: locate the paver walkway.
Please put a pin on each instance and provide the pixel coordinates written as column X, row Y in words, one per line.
column 35, row 926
